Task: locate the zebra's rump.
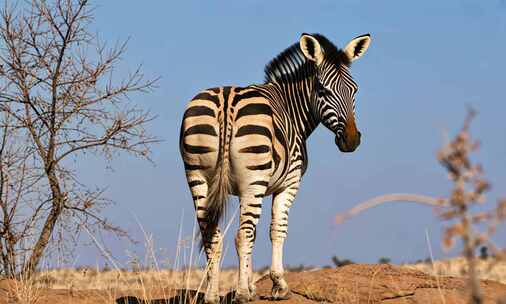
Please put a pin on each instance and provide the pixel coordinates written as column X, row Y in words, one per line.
column 232, row 127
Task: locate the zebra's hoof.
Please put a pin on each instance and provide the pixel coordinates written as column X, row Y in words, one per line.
column 242, row 298
column 253, row 293
column 281, row 292
column 211, row 299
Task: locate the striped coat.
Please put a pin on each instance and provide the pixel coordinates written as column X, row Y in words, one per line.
column 251, row 142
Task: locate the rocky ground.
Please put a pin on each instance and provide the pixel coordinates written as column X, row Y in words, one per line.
column 357, row 283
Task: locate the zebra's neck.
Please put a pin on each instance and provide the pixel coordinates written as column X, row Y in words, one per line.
column 297, row 101
column 293, row 78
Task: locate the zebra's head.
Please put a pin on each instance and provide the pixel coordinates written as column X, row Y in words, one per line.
column 334, row 89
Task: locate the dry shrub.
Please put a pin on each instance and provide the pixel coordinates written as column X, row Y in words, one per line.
column 469, row 188
column 21, row 291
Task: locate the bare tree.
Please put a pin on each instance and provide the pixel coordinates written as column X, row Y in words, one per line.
column 59, row 98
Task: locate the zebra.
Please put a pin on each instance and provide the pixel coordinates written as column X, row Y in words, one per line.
column 251, row 142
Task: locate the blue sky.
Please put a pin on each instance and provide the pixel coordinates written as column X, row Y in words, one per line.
column 427, row 61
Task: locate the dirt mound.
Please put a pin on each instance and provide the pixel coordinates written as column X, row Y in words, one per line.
column 379, row 284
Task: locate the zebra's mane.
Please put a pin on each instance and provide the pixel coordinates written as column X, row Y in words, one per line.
column 291, row 64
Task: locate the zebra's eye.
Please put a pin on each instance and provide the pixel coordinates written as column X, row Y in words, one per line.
column 321, row 90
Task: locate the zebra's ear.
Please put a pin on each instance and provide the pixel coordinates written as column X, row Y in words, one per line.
column 357, row 47
column 311, row 48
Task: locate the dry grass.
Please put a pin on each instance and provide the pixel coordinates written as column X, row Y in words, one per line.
column 22, row 291
column 92, row 279
column 488, row 269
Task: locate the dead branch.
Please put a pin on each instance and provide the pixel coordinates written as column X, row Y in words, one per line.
column 394, row 197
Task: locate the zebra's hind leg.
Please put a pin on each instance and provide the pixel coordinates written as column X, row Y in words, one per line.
column 251, row 208
column 211, row 240
column 213, row 248
column 279, row 228
column 251, row 284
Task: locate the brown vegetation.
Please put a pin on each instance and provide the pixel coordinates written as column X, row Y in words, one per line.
column 90, row 278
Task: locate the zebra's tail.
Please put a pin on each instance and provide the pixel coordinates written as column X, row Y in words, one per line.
column 220, row 187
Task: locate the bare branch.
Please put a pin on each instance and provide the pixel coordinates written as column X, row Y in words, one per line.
column 394, row 197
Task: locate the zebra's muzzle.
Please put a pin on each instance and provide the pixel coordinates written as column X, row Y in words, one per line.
column 349, row 139
column 347, row 143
